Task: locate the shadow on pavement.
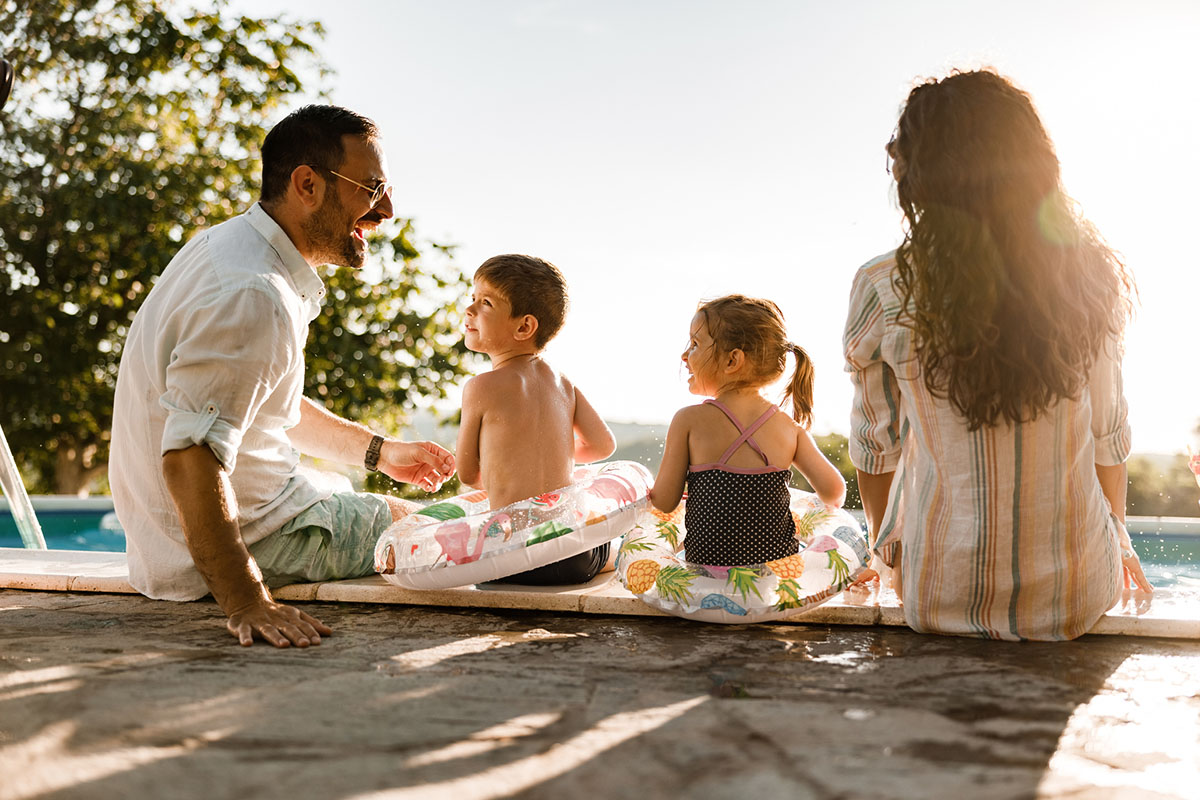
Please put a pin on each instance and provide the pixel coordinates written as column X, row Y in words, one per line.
column 108, row 696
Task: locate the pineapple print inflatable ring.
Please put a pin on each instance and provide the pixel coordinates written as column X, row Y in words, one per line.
column 832, row 553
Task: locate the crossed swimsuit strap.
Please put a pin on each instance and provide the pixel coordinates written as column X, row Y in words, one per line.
column 746, row 434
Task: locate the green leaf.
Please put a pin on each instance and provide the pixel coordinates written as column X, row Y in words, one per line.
column 634, row 546
column 547, row 531
column 809, row 522
column 675, row 583
column 841, row 570
column 743, row 580
column 443, row 511
column 788, row 595
column 668, row 532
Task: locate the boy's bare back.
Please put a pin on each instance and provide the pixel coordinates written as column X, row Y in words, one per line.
column 525, row 415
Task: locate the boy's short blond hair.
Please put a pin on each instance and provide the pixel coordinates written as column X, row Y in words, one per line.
column 531, row 286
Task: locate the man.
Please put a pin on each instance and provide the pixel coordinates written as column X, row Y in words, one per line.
column 209, row 411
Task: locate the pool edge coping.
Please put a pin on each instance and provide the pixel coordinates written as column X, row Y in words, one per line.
column 100, row 572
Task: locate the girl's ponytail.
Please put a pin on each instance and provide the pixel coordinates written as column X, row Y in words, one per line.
column 800, row 388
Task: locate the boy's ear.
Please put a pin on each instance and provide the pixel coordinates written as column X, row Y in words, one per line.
column 527, row 328
column 734, row 361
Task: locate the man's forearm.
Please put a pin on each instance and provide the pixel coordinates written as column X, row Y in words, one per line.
column 323, row 434
column 207, row 510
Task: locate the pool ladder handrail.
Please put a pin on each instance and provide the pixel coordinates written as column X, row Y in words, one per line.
column 18, row 499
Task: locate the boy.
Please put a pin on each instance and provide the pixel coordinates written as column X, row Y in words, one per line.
column 524, row 426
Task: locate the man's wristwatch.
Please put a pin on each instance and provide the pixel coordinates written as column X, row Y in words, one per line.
column 371, row 461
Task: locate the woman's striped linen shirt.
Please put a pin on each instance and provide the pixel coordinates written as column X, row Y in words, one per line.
column 1006, row 531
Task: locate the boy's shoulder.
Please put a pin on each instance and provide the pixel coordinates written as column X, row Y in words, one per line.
column 549, row 373
column 540, row 376
column 484, row 385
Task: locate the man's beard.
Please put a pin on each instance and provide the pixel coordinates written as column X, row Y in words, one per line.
column 325, row 231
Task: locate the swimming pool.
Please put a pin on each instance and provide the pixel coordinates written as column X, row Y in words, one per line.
column 69, row 523
column 1168, row 546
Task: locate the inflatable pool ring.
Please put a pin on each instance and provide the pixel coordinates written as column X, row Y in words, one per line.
column 460, row 541
column 833, row 551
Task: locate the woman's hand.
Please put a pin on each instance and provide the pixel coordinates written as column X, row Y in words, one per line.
column 1131, row 566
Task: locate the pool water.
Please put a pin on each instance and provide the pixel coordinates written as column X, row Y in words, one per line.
column 70, row 529
column 1170, row 559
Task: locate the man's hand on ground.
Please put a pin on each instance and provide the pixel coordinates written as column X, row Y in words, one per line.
column 422, row 464
column 277, row 624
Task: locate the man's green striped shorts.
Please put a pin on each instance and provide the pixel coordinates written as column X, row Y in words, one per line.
column 330, row 540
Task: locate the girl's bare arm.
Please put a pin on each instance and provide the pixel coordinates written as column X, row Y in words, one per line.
column 816, row 469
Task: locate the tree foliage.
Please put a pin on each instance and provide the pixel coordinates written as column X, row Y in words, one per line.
column 133, row 124
column 1162, row 487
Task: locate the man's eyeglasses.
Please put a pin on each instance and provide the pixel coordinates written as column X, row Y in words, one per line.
column 377, row 191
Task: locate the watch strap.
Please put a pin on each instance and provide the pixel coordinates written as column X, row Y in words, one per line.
column 371, row 460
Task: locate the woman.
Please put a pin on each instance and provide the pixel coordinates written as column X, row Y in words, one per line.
column 989, row 426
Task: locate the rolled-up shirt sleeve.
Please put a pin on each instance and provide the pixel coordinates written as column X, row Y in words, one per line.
column 1110, row 413
column 227, row 355
column 875, row 416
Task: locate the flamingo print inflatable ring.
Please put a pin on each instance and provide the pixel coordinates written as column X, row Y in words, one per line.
column 461, row 541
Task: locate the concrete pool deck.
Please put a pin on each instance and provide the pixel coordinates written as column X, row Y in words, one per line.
column 112, row 695
column 552, row 694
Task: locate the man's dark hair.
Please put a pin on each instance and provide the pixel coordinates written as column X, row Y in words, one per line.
column 311, row 135
column 532, row 286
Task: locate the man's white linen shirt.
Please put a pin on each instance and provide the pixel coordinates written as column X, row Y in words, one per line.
column 215, row 356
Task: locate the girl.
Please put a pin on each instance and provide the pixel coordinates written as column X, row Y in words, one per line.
column 735, row 451
column 989, row 427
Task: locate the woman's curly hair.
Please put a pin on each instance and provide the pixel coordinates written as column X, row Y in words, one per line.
column 1009, row 293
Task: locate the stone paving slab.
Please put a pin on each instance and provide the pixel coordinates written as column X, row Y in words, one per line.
column 86, row 571
column 116, row 696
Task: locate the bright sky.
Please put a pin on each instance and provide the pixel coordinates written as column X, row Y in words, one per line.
column 663, row 152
